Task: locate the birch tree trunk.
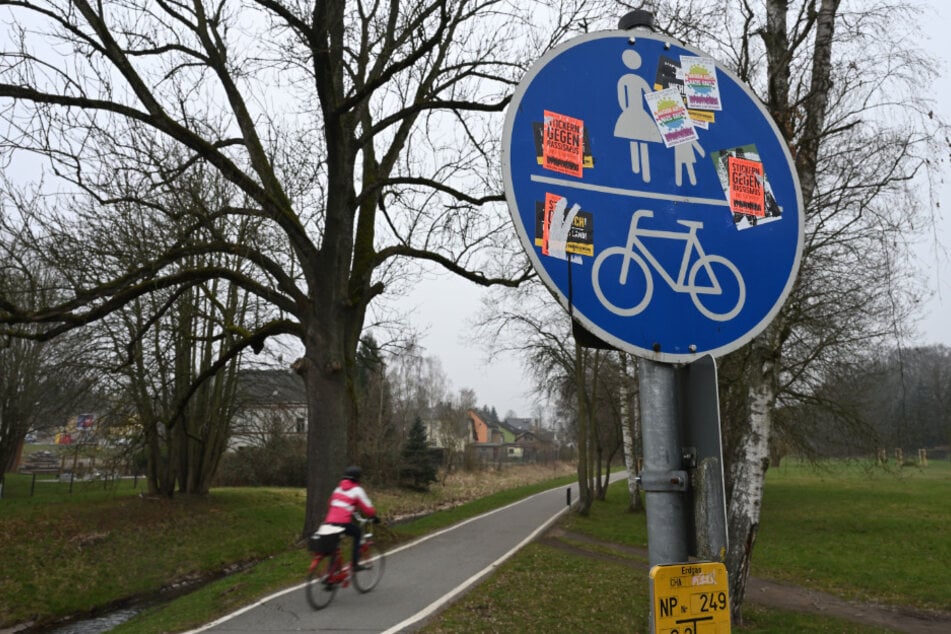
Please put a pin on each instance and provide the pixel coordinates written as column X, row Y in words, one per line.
column 628, row 437
column 749, row 458
column 747, row 473
column 584, row 476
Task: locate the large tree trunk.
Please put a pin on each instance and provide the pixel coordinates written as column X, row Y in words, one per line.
column 329, row 411
column 326, row 441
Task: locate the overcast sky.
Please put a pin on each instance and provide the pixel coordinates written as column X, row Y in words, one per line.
column 447, row 303
column 935, row 257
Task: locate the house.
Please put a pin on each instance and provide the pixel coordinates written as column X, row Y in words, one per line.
column 515, row 439
column 269, row 402
column 481, row 431
column 539, row 445
column 447, row 435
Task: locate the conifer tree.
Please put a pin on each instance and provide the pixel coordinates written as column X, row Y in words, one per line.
column 417, row 470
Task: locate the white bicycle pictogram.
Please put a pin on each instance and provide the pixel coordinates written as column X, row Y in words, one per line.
column 686, row 281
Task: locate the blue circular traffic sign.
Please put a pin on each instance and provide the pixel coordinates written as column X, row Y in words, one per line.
column 653, row 194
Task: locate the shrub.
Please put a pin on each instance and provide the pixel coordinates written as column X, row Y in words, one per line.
column 280, row 462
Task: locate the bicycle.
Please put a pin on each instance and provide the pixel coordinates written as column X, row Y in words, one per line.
column 328, row 571
column 688, row 278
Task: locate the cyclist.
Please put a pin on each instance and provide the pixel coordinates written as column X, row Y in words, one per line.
column 347, row 498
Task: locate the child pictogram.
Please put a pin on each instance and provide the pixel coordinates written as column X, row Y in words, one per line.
column 685, row 156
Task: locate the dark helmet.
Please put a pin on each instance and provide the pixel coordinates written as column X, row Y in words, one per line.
column 353, row 473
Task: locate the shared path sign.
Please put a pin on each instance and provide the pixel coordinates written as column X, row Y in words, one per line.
column 654, row 195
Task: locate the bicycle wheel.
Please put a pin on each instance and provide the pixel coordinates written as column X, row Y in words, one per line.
column 373, row 563
column 717, row 288
column 621, row 280
column 319, row 591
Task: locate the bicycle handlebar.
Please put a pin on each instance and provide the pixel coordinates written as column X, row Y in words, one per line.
column 360, row 519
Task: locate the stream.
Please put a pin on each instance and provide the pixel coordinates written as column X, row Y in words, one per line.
column 96, row 625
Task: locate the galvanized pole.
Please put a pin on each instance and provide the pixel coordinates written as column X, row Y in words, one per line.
column 663, row 478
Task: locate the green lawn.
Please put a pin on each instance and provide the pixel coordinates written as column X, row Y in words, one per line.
column 65, row 553
column 859, row 533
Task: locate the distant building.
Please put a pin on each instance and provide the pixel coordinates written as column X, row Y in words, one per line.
column 269, row 402
column 448, row 435
column 513, row 440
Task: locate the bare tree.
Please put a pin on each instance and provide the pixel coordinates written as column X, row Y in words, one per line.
column 861, row 137
column 417, row 384
column 21, row 378
column 362, row 134
column 887, row 399
column 39, row 382
column 582, row 382
column 373, row 438
column 169, row 352
column 185, row 436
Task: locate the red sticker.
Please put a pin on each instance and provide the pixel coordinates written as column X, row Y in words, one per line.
column 562, row 147
column 747, row 194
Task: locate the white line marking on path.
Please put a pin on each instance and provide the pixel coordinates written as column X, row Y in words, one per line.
column 468, row 583
column 433, row 606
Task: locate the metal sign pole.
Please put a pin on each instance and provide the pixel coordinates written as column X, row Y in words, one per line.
column 663, row 478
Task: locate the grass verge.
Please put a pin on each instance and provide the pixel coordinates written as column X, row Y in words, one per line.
column 564, row 584
column 75, row 554
column 860, row 533
column 66, row 553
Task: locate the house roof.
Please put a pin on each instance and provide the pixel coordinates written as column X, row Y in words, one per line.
column 522, row 424
column 537, row 435
column 271, row 387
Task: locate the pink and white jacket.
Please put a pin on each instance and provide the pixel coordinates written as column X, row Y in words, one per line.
column 347, row 498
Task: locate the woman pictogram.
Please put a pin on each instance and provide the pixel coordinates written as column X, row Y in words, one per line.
column 635, row 122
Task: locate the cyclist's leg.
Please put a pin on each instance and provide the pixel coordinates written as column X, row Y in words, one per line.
column 368, row 575
column 353, row 530
column 319, row 590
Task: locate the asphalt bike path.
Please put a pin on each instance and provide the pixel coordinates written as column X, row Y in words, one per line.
column 420, row 577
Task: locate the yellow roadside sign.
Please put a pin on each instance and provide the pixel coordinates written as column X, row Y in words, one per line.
column 690, row 598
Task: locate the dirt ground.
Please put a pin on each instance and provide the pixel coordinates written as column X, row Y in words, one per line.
column 777, row 595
